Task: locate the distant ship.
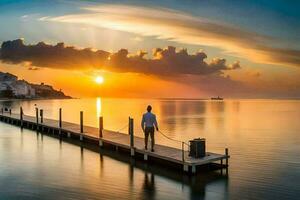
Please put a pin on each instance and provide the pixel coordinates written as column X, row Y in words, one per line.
column 216, row 98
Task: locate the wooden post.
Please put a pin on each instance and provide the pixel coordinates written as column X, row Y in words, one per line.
column 37, row 117
column 226, row 160
column 42, row 116
column 128, row 126
column 21, row 116
column 182, row 149
column 59, row 121
column 42, row 120
column 100, row 127
column 131, row 136
column 9, row 111
column 60, row 118
column 185, row 166
column 100, row 131
column 81, row 124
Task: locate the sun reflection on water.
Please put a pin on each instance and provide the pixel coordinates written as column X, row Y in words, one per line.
column 99, row 106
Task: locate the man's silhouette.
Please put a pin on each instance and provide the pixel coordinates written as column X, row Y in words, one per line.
column 148, row 124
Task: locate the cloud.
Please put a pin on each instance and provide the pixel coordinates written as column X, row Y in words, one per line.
column 235, row 65
column 51, row 56
column 280, row 55
column 182, row 27
column 166, row 61
column 212, row 85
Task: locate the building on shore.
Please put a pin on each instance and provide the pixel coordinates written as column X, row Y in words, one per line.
column 11, row 87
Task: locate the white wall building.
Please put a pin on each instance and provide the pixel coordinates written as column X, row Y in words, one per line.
column 22, row 88
column 19, row 87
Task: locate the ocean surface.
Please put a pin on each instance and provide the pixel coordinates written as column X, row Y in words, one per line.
column 263, row 137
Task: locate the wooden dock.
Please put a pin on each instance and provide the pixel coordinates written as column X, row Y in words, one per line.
column 119, row 141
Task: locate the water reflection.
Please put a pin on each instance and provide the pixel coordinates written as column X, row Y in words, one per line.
column 148, row 187
column 101, row 165
column 81, row 158
column 177, row 117
column 216, row 112
column 236, row 106
column 168, row 110
column 258, row 133
column 98, row 107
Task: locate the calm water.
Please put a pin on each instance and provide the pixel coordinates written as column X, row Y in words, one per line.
column 263, row 137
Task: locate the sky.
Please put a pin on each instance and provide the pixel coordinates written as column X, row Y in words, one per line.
column 155, row 49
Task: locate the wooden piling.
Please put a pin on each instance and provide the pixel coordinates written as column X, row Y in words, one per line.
column 37, row 118
column 182, row 150
column 9, row 111
column 185, row 167
column 60, row 118
column 100, row 130
column 81, row 125
column 100, row 127
column 21, row 117
column 60, row 121
column 226, row 159
column 131, row 134
column 81, row 121
column 42, row 115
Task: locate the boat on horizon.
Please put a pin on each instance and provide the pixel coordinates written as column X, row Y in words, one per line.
column 216, row 98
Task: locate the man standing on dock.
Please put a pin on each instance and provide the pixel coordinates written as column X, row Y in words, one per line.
column 148, row 123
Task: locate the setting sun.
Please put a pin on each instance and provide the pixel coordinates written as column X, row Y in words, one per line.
column 99, row 80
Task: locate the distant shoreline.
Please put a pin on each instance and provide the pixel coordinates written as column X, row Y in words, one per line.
column 29, row 99
column 205, row 99
column 163, row 99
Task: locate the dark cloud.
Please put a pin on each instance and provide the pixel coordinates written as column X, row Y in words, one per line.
column 51, row 56
column 166, row 61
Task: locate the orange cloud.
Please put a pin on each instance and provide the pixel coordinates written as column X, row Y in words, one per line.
column 165, row 62
column 182, row 27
